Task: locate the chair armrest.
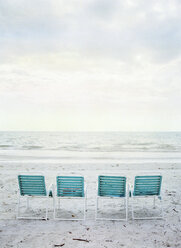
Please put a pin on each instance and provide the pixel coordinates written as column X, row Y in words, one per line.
column 127, row 189
column 85, row 191
column 18, row 192
column 51, row 190
column 97, row 189
column 130, row 186
column 131, row 189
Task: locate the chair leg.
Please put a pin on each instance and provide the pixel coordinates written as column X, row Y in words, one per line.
column 18, row 212
column 143, row 218
column 54, row 208
column 85, row 207
column 58, row 203
column 161, row 209
column 47, row 209
column 154, row 202
column 53, row 205
column 96, row 208
column 26, row 217
column 132, row 209
column 28, row 204
column 126, row 208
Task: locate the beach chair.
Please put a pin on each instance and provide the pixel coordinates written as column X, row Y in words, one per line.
column 32, row 186
column 112, row 187
column 149, row 187
column 70, row 187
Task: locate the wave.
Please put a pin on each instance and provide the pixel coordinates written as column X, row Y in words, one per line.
column 108, row 149
column 5, row 146
column 31, row 147
column 91, row 142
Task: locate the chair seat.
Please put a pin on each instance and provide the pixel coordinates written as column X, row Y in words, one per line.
column 50, row 193
column 147, row 186
column 111, row 195
column 143, row 194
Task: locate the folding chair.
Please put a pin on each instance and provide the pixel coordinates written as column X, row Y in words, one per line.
column 112, row 187
column 32, row 186
column 149, row 187
column 70, row 187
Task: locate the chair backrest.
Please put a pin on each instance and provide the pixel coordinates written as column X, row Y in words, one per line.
column 112, row 186
column 33, row 185
column 70, row 186
column 147, row 185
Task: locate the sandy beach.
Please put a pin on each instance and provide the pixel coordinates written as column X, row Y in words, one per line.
column 90, row 88
column 141, row 233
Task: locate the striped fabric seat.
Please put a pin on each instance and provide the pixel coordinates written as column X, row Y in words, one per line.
column 70, row 186
column 147, row 185
column 32, row 185
column 111, row 186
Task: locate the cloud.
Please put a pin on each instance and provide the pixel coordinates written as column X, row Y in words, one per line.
column 113, row 61
column 122, row 29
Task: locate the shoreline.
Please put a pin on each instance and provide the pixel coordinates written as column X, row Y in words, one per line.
column 32, row 234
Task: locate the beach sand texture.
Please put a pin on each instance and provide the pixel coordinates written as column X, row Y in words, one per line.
column 142, row 233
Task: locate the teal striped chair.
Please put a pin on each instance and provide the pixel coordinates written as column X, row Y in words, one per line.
column 70, row 187
column 112, row 187
column 147, row 186
column 32, row 186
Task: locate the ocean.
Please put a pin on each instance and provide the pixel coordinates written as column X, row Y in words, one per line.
column 82, row 147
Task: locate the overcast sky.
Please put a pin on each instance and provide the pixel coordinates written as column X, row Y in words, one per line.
column 94, row 65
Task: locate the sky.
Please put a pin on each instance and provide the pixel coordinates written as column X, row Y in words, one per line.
column 90, row 65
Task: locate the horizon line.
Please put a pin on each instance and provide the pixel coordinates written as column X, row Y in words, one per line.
column 95, row 131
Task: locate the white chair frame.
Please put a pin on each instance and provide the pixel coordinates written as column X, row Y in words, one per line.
column 126, row 201
column 146, row 196
column 84, row 198
column 27, row 197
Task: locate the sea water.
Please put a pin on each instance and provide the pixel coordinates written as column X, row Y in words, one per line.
column 81, row 147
